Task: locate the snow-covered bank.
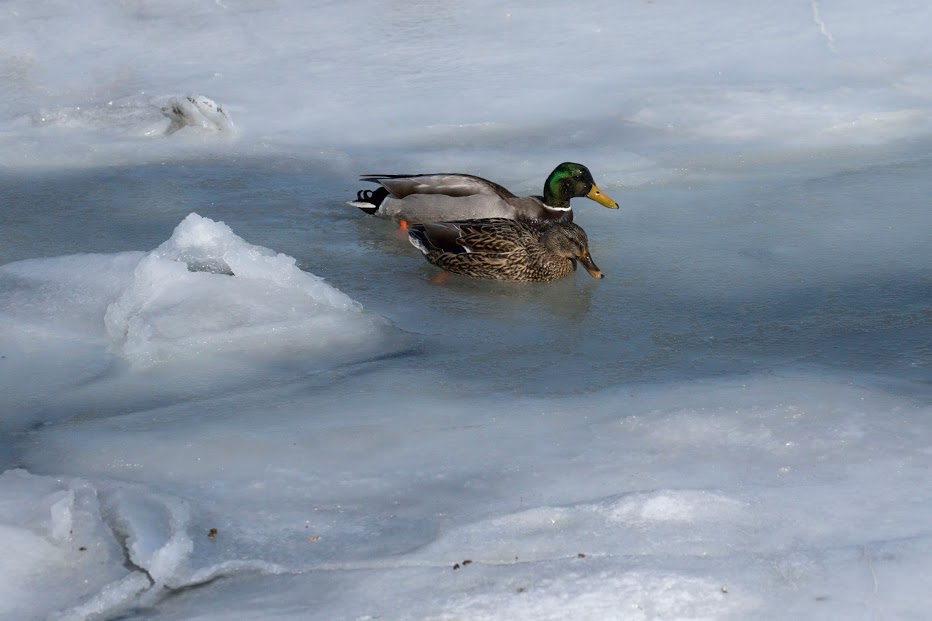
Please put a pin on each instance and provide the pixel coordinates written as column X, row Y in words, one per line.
column 647, row 91
column 702, row 500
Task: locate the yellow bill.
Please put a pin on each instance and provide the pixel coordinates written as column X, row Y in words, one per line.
column 596, row 194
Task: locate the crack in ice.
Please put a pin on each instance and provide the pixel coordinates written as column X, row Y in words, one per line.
column 823, row 29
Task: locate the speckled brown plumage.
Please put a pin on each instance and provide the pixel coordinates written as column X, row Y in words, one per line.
column 502, row 249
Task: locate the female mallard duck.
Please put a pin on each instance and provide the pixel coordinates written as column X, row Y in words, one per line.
column 503, row 249
column 449, row 196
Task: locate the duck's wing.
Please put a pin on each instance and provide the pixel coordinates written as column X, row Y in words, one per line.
column 436, row 238
column 491, row 248
column 493, row 236
column 448, row 184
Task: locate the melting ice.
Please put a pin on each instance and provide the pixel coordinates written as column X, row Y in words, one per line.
column 224, row 394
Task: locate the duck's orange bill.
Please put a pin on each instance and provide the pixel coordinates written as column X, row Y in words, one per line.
column 596, row 194
column 590, row 266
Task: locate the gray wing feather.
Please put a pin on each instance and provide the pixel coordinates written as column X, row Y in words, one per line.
column 448, row 184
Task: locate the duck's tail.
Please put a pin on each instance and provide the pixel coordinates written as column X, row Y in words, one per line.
column 369, row 200
column 418, row 238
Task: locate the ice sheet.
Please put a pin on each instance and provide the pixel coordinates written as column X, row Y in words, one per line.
column 226, row 395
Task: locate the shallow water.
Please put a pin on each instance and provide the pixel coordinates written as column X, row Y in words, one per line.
column 735, row 277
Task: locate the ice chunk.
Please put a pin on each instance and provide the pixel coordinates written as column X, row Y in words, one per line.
column 51, row 531
column 139, row 116
column 197, row 111
column 207, row 291
column 110, row 600
column 682, row 506
column 63, row 516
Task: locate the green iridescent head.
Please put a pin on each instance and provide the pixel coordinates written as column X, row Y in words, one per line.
column 570, row 180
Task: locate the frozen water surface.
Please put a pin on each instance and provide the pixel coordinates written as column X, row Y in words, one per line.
column 224, row 394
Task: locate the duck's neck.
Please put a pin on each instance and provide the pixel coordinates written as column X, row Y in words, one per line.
column 554, row 195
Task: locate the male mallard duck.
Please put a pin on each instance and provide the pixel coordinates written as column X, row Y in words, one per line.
column 503, row 249
column 451, row 196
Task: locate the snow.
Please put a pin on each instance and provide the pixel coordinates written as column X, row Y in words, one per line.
column 224, row 394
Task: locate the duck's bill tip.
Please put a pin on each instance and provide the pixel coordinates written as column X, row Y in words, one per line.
column 601, row 198
column 591, row 267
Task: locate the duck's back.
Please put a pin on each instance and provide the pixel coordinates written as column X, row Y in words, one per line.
column 448, row 184
column 440, row 207
column 445, row 197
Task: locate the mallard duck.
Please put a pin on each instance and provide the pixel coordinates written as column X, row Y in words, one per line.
column 453, row 197
column 502, row 249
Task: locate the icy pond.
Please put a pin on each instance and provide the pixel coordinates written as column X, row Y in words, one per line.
column 225, row 394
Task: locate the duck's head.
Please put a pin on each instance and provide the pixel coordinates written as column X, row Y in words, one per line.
column 569, row 180
column 570, row 241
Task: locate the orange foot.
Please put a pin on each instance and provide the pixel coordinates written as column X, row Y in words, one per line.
column 440, row 278
column 402, row 231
